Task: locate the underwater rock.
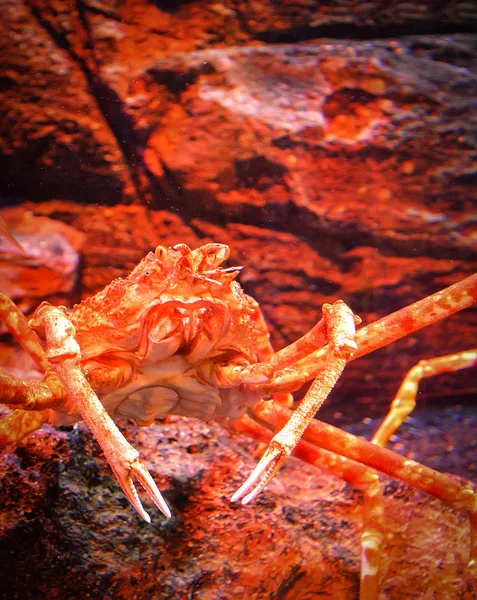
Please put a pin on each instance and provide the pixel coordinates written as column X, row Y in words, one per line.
column 49, row 264
column 67, row 531
column 366, row 143
column 270, row 21
column 55, row 137
column 177, row 105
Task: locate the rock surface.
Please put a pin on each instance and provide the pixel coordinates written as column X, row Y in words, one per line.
column 68, row 532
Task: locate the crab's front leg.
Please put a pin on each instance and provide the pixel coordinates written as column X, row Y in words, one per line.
column 63, row 353
column 32, row 399
column 339, row 324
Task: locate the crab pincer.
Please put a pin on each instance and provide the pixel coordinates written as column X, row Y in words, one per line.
column 125, row 473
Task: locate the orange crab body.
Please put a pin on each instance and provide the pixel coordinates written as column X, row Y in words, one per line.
column 150, row 343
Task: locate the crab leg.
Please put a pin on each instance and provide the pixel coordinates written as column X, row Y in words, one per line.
column 16, row 322
column 330, row 328
column 405, row 321
column 450, row 490
column 32, row 396
column 405, row 399
column 308, row 361
column 64, row 355
column 17, row 425
column 355, row 474
column 340, row 326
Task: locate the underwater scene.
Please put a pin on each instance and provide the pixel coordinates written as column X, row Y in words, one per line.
column 219, row 219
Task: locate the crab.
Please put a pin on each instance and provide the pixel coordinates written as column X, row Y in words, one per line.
column 180, row 336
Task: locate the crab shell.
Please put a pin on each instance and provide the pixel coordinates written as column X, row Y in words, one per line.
column 150, row 342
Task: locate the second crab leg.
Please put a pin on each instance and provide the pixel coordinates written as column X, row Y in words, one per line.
column 64, row 356
column 339, row 322
column 16, row 322
column 355, row 474
column 405, row 400
column 327, row 364
column 407, row 320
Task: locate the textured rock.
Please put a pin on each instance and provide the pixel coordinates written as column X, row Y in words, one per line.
column 269, row 20
column 66, row 530
column 128, row 101
column 301, row 132
column 47, row 268
column 54, row 134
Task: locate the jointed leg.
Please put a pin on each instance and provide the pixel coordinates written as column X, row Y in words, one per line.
column 450, row 490
column 405, row 399
column 31, row 397
column 17, row 425
column 337, row 327
column 64, row 356
column 340, row 328
column 407, row 320
column 16, row 322
column 367, row 481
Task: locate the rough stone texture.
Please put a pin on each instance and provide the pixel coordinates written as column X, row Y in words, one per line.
column 268, row 20
column 123, row 101
column 46, row 266
column 66, row 530
column 54, row 133
column 338, row 139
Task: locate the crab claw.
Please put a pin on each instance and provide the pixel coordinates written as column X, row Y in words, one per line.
column 139, row 472
column 275, row 455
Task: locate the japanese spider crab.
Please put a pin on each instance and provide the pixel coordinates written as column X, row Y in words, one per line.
column 179, row 335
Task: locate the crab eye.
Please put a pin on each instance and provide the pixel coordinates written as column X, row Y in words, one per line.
column 213, row 255
column 161, row 253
